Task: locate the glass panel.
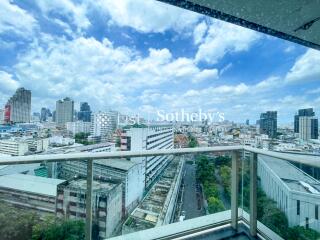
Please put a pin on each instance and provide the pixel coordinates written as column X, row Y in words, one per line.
column 287, row 199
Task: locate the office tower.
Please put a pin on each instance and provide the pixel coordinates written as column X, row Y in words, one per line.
column 18, row 107
column 308, row 127
column 85, row 112
column 247, row 122
column 64, row 111
column 268, row 123
column 307, row 112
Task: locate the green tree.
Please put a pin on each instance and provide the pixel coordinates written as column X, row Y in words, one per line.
column 56, row 229
column 192, row 141
column 215, row 205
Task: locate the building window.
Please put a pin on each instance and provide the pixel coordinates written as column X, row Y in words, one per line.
column 307, row 223
column 298, row 207
column 316, row 213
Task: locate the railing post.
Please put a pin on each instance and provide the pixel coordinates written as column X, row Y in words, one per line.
column 253, row 194
column 235, row 189
column 88, row 226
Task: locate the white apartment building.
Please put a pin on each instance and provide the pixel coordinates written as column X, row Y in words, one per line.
column 147, row 138
column 78, row 127
column 102, row 124
column 13, row 147
column 296, row 193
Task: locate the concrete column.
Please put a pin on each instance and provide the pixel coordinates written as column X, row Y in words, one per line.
column 88, row 226
column 253, row 194
column 235, row 189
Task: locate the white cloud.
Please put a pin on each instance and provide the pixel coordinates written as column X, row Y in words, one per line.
column 87, row 69
column 7, row 83
column 223, row 38
column 199, row 32
column 16, row 20
column 306, row 68
column 76, row 13
column 206, row 74
column 148, row 15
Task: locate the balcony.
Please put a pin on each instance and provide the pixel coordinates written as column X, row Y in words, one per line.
column 234, row 223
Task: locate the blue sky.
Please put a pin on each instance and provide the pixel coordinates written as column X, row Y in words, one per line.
column 144, row 56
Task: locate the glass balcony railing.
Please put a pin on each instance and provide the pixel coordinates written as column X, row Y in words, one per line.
column 198, row 193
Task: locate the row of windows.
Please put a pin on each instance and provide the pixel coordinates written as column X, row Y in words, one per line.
column 158, row 134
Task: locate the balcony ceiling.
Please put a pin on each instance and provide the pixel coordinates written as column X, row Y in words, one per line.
column 294, row 20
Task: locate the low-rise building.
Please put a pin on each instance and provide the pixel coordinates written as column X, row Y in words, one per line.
column 129, row 173
column 107, row 213
column 296, row 193
column 13, row 147
column 30, row 192
column 78, row 127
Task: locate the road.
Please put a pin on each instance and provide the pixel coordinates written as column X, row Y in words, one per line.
column 192, row 201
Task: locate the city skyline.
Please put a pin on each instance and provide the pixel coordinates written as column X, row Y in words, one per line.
column 153, row 59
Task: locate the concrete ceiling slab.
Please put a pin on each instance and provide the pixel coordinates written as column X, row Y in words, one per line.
column 293, row 20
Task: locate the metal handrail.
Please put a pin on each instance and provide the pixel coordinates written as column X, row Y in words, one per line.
column 313, row 161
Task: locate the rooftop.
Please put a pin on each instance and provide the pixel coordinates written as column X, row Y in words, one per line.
column 292, row 176
column 30, row 183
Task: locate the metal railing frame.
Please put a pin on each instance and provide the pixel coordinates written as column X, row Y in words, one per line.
column 235, row 152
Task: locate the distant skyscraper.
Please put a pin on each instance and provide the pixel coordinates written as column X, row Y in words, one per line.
column 85, row 112
column 64, row 111
column 18, row 107
column 308, row 127
column 268, row 123
column 247, row 122
column 45, row 114
column 307, row 112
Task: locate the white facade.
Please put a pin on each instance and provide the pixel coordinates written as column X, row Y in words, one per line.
column 78, row 127
column 13, row 147
column 102, row 124
column 152, row 137
column 296, row 193
column 59, row 140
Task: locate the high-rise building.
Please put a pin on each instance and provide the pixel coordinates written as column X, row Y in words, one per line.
column 307, row 112
column 1, row 116
column 268, row 123
column 308, row 128
column 85, row 112
column 64, row 111
column 18, row 107
column 45, row 114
